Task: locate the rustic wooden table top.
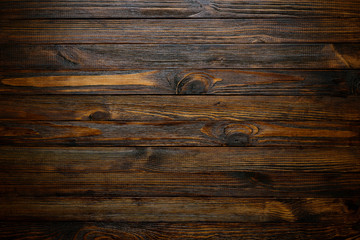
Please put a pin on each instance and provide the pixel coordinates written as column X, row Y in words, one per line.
column 182, row 119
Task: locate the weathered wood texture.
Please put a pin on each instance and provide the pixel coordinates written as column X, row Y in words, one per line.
column 145, row 56
column 181, row 209
column 128, row 183
column 178, row 9
column 159, row 108
column 202, row 31
column 177, row 230
column 271, row 150
column 179, row 133
column 180, row 159
column 185, row 81
column 153, row 172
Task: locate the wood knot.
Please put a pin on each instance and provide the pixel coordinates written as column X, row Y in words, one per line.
column 352, row 205
column 353, row 80
column 100, row 115
column 237, row 139
column 196, row 83
column 239, row 134
column 93, row 231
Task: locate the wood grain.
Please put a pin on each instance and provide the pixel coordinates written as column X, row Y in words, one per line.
column 103, row 134
column 159, row 56
column 176, row 230
column 177, row 9
column 180, row 159
column 178, row 133
column 130, row 183
column 230, row 31
column 181, row 209
column 159, row 108
column 185, row 81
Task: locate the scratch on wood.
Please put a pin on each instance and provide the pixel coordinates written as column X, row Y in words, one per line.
column 66, row 59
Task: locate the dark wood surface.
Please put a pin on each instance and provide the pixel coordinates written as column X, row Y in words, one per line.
column 155, row 108
column 178, row 230
column 181, row 209
column 201, row 119
column 165, row 31
column 179, row 133
column 178, row 9
column 133, row 183
column 144, row 56
column 170, row 159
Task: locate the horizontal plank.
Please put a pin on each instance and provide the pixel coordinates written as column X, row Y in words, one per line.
column 185, row 81
column 181, row 209
column 177, row 133
column 159, row 56
column 129, row 183
column 286, row 30
column 169, row 108
column 176, row 230
column 177, row 9
column 179, row 159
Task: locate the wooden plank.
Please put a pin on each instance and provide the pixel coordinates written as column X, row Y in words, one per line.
column 130, row 183
column 147, row 31
column 159, row 56
column 181, row 209
column 185, row 81
column 169, row 108
column 176, row 230
column 179, row 159
column 177, row 9
column 176, row 133
column 44, row 230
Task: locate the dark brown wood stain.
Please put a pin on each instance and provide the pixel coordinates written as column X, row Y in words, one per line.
column 201, row 119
